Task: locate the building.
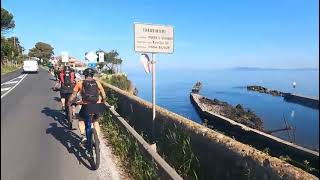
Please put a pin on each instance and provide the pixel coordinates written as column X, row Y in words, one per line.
column 73, row 62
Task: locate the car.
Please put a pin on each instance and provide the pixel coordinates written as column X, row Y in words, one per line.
column 30, row 66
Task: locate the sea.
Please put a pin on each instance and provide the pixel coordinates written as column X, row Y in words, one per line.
column 173, row 88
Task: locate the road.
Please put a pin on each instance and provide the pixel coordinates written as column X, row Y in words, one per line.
column 34, row 143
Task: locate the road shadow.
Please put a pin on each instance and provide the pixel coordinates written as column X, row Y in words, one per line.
column 56, row 115
column 53, row 79
column 71, row 141
column 57, row 99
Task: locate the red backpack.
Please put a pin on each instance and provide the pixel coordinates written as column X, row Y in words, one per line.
column 67, row 78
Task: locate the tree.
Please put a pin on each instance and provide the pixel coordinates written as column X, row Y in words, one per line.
column 112, row 59
column 118, row 62
column 7, row 21
column 11, row 50
column 42, row 50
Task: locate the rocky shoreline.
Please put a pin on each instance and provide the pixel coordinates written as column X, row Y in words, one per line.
column 237, row 113
column 262, row 89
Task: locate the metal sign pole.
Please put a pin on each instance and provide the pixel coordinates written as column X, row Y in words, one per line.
column 153, row 86
column 153, row 62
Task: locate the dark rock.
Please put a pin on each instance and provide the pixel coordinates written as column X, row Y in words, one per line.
column 261, row 89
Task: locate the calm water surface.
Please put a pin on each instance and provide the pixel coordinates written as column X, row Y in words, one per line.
column 173, row 89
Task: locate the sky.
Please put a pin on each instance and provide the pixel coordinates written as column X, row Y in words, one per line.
column 207, row 34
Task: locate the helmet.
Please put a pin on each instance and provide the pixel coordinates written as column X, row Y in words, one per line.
column 67, row 68
column 88, row 72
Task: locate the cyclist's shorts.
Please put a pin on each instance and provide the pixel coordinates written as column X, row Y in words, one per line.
column 65, row 95
column 96, row 109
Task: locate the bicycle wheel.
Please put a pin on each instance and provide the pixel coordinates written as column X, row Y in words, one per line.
column 95, row 150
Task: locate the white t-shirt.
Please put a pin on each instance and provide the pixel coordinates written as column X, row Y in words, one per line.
column 78, row 77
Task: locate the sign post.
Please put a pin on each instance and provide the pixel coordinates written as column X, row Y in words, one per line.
column 151, row 38
column 153, row 62
column 64, row 56
column 101, row 57
column 92, row 58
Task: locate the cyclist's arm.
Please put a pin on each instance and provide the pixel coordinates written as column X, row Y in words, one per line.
column 102, row 92
column 76, row 89
column 72, row 97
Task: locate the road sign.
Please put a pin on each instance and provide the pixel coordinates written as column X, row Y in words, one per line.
column 101, row 56
column 64, row 56
column 92, row 65
column 91, row 56
column 149, row 38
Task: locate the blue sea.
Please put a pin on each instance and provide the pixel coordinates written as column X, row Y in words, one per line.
column 173, row 88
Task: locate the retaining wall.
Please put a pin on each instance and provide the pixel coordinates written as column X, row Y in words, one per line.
column 220, row 157
column 302, row 100
column 258, row 139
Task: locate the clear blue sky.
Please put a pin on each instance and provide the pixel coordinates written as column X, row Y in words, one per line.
column 208, row 34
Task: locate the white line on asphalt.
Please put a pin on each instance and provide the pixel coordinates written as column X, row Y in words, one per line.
column 5, row 89
column 13, row 86
column 20, row 76
column 10, row 82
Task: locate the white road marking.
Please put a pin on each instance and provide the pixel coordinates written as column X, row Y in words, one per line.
column 21, row 76
column 5, row 89
column 10, row 82
column 25, row 75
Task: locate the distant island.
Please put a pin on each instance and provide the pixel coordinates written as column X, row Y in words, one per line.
column 260, row 68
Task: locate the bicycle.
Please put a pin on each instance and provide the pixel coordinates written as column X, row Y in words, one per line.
column 67, row 111
column 93, row 143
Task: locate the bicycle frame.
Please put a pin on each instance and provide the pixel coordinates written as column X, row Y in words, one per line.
column 88, row 122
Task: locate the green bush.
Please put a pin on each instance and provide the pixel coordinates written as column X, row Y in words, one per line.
column 127, row 149
column 121, row 81
column 176, row 149
column 9, row 68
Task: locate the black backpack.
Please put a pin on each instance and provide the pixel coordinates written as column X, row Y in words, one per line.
column 67, row 79
column 90, row 91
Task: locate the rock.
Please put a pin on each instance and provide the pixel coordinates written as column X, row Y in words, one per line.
column 264, row 90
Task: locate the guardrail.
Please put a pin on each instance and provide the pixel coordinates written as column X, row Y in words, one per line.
column 165, row 171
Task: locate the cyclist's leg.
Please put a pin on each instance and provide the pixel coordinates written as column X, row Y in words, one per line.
column 82, row 127
column 96, row 124
column 73, row 110
column 81, row 124
column 62, row 100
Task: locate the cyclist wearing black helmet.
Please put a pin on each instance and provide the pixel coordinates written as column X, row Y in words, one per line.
column 67, row 81
column 93, row 98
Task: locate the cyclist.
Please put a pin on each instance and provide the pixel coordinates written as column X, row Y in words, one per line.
column 56, row 72
column 50, row 66
column 67, row 82
column 93, row 98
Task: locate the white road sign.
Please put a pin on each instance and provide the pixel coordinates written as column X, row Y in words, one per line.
column 91, row 56
column 64, row 56
column 149, row 38
column 101, row 56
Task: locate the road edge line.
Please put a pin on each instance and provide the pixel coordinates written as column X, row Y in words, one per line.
column 13, row 86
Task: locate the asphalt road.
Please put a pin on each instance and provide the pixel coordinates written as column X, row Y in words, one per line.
column 35, row 145
column 10, row 75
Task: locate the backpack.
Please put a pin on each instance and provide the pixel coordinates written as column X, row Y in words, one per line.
column 67, row 78
column 90, row 91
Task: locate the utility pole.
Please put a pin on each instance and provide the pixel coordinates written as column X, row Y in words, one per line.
column 14, row 47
